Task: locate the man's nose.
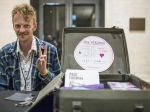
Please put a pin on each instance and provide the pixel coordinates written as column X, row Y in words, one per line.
column 22, row 29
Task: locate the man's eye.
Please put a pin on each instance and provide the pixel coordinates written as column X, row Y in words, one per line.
column 26, row 26
column 17, row 26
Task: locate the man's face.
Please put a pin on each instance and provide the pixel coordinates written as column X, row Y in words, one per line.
column 24, row 30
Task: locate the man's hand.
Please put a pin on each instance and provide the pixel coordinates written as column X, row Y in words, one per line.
column 42, row 60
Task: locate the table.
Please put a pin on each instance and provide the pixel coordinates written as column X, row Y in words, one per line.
column 46, row 105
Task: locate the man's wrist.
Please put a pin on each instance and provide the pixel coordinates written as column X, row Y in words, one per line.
column 44, row 74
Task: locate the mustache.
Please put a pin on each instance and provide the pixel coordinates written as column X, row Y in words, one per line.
column 22, row 33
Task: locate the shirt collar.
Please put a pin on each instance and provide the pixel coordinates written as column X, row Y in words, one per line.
column 33, row 46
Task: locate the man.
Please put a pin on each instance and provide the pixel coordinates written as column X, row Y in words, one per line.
column 28, row 64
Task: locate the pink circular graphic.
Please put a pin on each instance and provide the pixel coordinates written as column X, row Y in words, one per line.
column 94, row 53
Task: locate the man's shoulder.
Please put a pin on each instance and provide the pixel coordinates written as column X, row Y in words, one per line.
column 43, row 43
column 7, row 47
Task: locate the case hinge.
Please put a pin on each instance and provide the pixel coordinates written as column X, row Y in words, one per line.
column 76, row 106
column 115, row 27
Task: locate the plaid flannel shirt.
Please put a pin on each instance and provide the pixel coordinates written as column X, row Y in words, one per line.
column 10, row 69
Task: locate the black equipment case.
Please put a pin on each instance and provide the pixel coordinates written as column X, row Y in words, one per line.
column 102, row 100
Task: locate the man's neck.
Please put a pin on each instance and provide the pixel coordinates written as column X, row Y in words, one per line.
column 25, row 47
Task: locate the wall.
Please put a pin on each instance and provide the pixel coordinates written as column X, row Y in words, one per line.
column 7, row 33
column 118, row 13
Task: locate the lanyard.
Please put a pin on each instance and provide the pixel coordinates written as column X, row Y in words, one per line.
column 25, row 79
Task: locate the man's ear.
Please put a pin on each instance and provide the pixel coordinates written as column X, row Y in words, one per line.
column 13, row 26
column 34, row 26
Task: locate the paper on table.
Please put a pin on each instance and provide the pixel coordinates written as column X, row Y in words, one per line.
column 89, row 87
column 81, row 77
column 19, row 96
column 114, row 85
column 127, row 85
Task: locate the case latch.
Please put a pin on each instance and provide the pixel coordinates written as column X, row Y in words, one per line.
column 123, row 75
column 139, row 108
column 76, row 106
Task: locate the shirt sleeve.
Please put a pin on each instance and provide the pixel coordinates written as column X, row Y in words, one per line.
column 4, row 78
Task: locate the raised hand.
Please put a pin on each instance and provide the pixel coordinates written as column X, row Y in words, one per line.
column 42, row 60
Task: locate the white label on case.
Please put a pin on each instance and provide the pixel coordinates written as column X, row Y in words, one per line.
column 94, row 53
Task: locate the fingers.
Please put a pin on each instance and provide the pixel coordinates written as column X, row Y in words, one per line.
column 45, row 50
column 40, row 51
column 40, row 62
column 43, row 56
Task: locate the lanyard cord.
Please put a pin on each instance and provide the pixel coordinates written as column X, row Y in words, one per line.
column 25, row 79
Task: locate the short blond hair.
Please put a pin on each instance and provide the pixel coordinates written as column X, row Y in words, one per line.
column 26, row 10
